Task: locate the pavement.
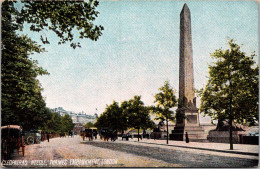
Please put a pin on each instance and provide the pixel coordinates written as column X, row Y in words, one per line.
column 243, row 149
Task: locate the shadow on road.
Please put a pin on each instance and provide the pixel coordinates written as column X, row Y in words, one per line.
column 186, row 159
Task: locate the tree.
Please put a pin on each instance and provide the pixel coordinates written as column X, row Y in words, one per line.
column 130, row 113
column 22, row 102
column 66, row 123
column 102, row 121
column 124, row 116
column 138, row 114
column 232, row 89
column 53, row 124
column 165, row 100
column 113, row 118
column 88, row 125
column 61, row 17
column 114, row 112
column 41, row 118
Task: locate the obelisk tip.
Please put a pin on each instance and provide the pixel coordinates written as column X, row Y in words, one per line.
column 185, row 8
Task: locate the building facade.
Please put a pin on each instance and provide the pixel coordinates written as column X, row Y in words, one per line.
column 80, row 117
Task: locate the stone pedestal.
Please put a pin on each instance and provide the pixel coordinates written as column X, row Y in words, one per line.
column 187, row 116
column 195, row 133
column 188, row 121
column 160, row 135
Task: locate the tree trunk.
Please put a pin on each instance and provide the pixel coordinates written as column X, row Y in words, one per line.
column 138, row 134
column 230, row 134
column 167, row 131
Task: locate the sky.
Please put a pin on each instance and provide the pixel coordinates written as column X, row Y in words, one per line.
column 139, row 51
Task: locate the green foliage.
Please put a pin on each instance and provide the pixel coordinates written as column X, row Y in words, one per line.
column 130, row 114
column 113, row 118
column 57, row 124
column 22, row 102
column 102, row 121
column 124, row 116
column 117, row 117
column 61, row 17
column 232, row 89
column 138, row 114
column 165, row 100
column 88, row 125
column 53, row 124
column 66, row 123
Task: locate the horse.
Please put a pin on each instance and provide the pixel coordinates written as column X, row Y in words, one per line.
column 62, row 134
column 106, row 136
column 113, row 136
column 89, row 135
column 95, row 134
column 82, row 134
column 110, row 135
column 103, row 133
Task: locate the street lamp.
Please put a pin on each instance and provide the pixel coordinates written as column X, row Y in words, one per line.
column 229, row 82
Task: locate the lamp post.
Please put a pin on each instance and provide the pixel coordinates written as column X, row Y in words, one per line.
column 230, row 111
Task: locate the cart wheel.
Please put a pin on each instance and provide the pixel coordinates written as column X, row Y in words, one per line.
column 30, row 140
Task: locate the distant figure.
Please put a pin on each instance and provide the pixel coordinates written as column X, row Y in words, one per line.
column 48, row 137
column 187, row 138
column 113, row 136
column 95, row 134
column 70, row 134
column 144, row 134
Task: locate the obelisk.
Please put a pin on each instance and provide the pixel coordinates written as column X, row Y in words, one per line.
column 186, row 78
column 187, row 116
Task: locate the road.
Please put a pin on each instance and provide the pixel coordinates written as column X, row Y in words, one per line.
column 63, row 152
column 53, row 153
column 179, row 156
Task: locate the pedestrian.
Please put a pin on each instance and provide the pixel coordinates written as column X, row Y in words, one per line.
column 144, row 134
column 187, row 138
column 48, row 137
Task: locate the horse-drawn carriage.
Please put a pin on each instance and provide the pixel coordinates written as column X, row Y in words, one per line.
column 32, row 137
column 95, row 133
column 12, row 138
column 107, row 134
column 88, row 133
